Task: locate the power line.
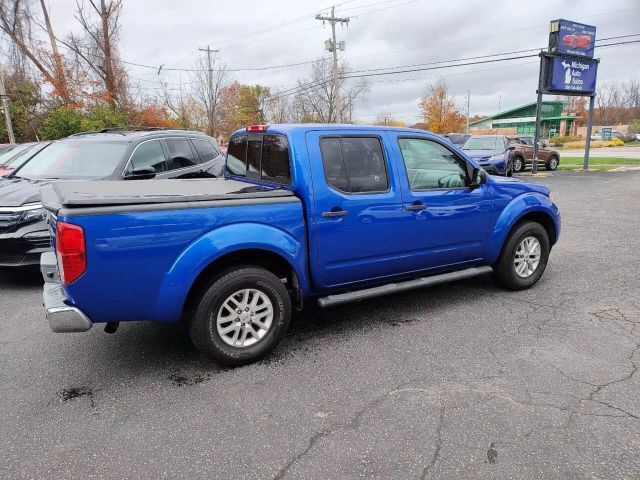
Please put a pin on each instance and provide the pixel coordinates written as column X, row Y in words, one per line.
column 480, row 56
column 311, row 86
column 286, row 23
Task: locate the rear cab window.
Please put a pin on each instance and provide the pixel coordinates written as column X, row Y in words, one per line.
column 260, row 157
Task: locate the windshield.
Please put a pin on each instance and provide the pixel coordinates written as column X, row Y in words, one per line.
column 9, row 153
column 483, row 143
column 75, row 159
column 21, row 158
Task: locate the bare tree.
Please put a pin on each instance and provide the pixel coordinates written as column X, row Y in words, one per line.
column 279, row 108
column 631, row 97
column 208, row 86
column 314, row 100
column 186, row 110
column 16, row 22
column 61, row 78
column 608, row 101
column 97, row 48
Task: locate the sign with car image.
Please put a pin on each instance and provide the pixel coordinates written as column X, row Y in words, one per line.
column 571, row 38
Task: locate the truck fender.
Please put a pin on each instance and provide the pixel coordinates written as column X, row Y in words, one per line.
column 215, row 244
column 516, row 209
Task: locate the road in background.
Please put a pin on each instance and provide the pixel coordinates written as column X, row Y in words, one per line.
column 615, row 152
column 459, row 381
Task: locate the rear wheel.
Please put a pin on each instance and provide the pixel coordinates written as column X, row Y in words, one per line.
column 518, row 164
column 242, row 316
column 523, row 258
column 552, row 163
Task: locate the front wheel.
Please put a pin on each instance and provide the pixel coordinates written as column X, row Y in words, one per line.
column 523, row 258
column 552, row 163
column 509, row 170
column 242, row 316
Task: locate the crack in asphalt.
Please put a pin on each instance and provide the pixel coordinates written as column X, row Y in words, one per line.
column 439, row 442
column 353, row 423
column 597, row 388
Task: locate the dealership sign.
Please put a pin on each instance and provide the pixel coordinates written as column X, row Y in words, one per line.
column 571, row 38
column 572, row 75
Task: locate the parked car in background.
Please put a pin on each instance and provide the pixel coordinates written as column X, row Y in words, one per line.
column 457, row 139
column 6, row 146
column 10, row 151
column 304, row 215
column 492, row 152
column 106, row 155
column 522, row 153
column 18, row 157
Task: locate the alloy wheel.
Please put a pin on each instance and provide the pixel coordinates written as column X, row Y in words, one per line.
column 517, row 165
column 244, row 318
column 527, row 257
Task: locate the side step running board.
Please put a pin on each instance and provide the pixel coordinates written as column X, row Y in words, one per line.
column 340, row 298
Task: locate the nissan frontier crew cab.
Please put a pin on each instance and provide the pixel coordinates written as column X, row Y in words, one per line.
column 305, row 213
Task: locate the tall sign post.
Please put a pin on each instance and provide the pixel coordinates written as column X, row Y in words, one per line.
column 568, row 68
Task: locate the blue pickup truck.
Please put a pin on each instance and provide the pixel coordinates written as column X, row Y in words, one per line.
column 305, row 213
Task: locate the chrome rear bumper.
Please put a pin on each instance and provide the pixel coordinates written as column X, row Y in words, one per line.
column 62, row 318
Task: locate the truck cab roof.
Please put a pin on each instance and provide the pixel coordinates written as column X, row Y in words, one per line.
column 288, row 128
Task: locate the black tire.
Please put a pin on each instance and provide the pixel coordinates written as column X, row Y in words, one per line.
column 203, row 325
column 518, row 164
column 552, row 163
column 504, row 270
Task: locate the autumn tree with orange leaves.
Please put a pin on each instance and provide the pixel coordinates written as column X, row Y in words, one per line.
column 439, row 111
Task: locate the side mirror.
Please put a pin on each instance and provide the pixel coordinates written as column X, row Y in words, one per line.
column 478, row 177
column 141, row 173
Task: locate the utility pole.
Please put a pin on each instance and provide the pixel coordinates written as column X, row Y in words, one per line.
column 212, row 108
column 468, row 104
column 332, row 46
column 5, row 107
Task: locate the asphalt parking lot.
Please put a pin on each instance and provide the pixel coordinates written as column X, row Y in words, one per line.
column 460, row 381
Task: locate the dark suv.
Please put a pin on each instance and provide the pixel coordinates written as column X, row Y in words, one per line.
column 110, row 154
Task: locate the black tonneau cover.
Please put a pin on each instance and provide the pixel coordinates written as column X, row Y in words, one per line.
column 82, row 194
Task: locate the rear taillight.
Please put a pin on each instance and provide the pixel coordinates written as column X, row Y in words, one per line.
column 71, row 250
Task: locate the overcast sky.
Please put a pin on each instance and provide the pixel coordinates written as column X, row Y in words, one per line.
column 380, row 34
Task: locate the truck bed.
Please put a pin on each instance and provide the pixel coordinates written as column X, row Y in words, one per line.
column 146, row 193
column 147, row 240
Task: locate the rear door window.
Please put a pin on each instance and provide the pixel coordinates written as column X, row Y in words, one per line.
column 205, row 149
column 354, row 164
column 180, row 153
column 148, row 154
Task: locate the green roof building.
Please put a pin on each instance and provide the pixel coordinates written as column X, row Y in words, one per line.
column 522, row 121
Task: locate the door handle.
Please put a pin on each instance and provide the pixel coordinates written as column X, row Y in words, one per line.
column 334, row 213
column 415, row 207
